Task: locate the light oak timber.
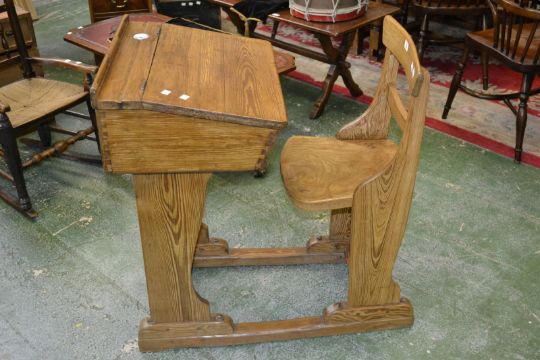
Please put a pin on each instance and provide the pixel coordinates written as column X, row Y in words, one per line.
column 214, row 252
column 269, row 256
column 338, row 322
column 365, row 180
column 193, row 144
column 170, row 209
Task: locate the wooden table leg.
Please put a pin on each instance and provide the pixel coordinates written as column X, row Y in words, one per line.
column 338, row 66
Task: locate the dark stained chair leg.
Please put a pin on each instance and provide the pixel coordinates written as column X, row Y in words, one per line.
column 44, row 132
column 404, row 14
column 521, row 118
column 485, row 70
column 485, row 57
column 422, row 41
column 456, row 80
column 92, row 114
column 13, row 160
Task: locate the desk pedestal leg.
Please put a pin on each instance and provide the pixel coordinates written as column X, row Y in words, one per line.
column 170, row 209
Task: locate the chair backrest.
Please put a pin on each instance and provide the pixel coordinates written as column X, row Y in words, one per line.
column 374, row 123
column 516, row 32
column 9, row 6
column 380, row 208
column 453, row 4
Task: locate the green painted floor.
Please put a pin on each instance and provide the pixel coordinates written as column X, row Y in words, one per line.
column 72, row 284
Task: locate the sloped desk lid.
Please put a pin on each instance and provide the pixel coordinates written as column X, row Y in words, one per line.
column 178, row 70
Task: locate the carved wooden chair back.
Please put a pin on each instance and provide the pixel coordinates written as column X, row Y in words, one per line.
column 381, row 207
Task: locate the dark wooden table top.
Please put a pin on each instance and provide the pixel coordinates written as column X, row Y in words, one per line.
column 97, row 37
column 376, row 11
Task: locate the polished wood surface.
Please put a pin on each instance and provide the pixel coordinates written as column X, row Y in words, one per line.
column 249, row 93
column 97, row 38
column 25, row 98
column 381, row 202
column 343, row 322
column 193, row 144
column 170, row 209
column 323, row 173
column 173, row 151
column 335, row 40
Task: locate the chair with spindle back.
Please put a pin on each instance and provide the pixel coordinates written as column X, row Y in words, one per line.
column 365, row 179
column 426, row 10
column 514, row 40
column 31, row 104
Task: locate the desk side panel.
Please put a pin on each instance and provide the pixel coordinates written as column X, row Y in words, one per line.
column 144, row 142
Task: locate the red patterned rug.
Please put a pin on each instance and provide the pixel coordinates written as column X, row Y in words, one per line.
column 488, row 124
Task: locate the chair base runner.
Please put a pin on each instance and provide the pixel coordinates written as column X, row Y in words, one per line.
column 11, row 200
column 337, row 319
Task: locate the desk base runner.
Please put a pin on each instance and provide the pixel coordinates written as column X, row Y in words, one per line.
column 337, row 319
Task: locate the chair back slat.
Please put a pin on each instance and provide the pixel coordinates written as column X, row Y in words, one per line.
column 502, row 32
column 530, row 39
column 509, row 28
column 19, row 38
column 401, row 45
column 518, row 35
column 397, row 109
column 516, row 25
column 535, row 61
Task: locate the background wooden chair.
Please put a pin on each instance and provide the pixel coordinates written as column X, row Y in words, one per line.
column 30, row 104
column 427, row 11
column 365, row 179
column 514, row 40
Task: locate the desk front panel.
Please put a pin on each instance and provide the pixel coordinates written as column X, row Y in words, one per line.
column 142, row 141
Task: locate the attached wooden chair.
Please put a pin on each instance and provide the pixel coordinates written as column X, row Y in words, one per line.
column 30, row 104
column 514, row 40
column 365, row 179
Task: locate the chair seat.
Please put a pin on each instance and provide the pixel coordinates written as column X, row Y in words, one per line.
column 31, row 99
column 323, row 173
column 485, row 39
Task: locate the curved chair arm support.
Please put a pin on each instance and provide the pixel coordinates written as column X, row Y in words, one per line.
column 87, row 70
column 65, row 63
column 373, row 124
